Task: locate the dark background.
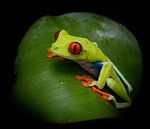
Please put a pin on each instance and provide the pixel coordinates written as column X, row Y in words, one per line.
column 16, row 19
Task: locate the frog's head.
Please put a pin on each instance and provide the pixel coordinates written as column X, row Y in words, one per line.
column 73, row 47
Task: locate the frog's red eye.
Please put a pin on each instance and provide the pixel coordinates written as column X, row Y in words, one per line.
column 75, row 48
column 56, row 34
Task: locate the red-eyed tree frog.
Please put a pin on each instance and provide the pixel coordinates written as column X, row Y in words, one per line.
column 91, row 58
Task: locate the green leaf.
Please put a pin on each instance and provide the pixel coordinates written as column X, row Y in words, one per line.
column 47, row 88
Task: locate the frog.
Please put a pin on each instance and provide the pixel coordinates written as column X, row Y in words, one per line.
column 102, row 72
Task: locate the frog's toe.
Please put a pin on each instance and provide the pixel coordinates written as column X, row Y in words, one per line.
column 51, row 55
column 87, row 80
column 84, row 77
column 86, row 83
column 48, row 50
column 63, row 59
column 104, row 95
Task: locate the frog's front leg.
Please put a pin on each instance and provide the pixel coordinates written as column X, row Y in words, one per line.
column 90, row 82
column 87, row 80
column 102, row 79
column 104, row 75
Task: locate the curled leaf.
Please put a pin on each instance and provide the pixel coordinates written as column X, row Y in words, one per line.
column 48, row 88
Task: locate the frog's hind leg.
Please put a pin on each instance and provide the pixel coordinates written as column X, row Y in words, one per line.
column 108, row 97
column 117, row 88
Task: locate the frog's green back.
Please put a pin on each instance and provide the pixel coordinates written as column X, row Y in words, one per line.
column 48, row 88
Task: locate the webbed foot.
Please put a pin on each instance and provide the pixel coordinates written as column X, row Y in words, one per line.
column 87, row 80
column 52, row 55
column 104, row 95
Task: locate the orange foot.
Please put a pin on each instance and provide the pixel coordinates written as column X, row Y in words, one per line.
column 87, row 80
column 50, row 55
column 104, row 95
column 48, row 50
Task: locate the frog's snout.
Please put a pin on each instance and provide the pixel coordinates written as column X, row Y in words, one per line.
column 54, row 47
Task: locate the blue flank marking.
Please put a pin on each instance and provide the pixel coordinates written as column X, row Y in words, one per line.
column 98, row 66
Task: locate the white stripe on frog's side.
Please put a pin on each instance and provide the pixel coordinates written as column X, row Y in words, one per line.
column 123, row 79
column 88, row 67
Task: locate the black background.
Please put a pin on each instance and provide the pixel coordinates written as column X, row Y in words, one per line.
column 16, row 19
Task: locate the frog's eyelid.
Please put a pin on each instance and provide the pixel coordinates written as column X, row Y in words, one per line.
column 56, row 34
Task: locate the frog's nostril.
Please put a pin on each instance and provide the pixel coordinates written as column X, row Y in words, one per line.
column 56, row 47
